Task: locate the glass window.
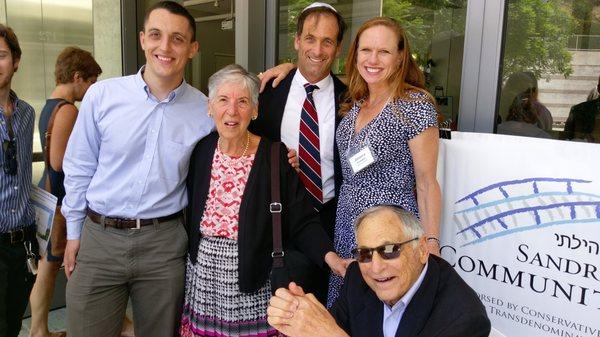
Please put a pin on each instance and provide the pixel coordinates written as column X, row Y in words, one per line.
column 215, row 30
column 435, row 29
column 436, row 32
column 44, row 29
column 550, row 70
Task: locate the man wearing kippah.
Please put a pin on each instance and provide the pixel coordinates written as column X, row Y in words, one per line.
column 302, row 113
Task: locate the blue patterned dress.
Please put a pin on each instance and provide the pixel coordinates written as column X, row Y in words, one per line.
column 390, row 179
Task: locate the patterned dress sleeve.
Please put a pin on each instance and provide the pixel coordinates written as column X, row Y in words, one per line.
column 420, row 113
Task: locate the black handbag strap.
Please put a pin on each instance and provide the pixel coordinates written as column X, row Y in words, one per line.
column 275, row 207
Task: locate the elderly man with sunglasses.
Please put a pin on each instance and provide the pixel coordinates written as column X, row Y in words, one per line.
column 394, row 289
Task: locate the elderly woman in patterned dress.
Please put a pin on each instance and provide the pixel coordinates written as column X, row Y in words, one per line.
column 388, row 138
column 230, row 230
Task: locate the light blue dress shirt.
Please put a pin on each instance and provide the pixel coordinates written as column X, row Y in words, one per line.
column 393, row 315
column 128, row 154
column 16, row 211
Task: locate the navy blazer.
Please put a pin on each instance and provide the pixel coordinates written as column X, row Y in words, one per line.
column 443, row 306
column 270, row 113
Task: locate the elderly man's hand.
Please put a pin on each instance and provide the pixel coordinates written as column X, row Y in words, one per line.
column 298, row 315
column 278, row 73
column 337, row 265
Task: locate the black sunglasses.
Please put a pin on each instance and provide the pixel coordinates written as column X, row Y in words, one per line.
column 9, row 148
column 387, row 252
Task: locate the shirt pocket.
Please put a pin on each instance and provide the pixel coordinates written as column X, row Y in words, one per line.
column 173, row 160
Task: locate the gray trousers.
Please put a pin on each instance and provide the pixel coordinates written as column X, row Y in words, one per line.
column 113, row 265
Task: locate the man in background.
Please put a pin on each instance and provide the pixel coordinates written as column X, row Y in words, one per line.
column 17, row 218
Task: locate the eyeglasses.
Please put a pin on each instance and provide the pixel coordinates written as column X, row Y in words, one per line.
column 387, row 252
column 9, row 148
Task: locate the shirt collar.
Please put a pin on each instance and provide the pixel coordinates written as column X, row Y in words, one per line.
column 141, row 84
column 322, row 84
column 405, row 300
column 14, row 99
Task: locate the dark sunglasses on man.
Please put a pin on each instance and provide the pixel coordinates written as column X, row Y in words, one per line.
column 387, row 252
column 9, row 148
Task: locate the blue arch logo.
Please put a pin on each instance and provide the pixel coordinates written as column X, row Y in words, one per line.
column 513, row 206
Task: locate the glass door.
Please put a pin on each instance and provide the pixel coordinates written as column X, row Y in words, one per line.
column 215, row 31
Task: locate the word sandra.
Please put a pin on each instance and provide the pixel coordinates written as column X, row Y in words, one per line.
column 562, row 264
column 525, row 280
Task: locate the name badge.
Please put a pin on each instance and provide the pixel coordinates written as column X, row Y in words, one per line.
column 361, row 159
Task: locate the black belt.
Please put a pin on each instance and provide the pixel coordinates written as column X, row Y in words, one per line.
column 124, row 223
column 18, row 236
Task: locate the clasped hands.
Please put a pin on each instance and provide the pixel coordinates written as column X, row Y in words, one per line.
column 297, row 314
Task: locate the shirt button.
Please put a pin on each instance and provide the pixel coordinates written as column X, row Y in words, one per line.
column 147, row 156
column 13, row 210
column 139, row 181
column 153, row 131
column 16, row 187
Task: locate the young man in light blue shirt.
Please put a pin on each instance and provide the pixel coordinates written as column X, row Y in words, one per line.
column 125, row 169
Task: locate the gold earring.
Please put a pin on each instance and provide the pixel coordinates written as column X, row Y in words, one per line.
column 209, row 114
column 254, row 117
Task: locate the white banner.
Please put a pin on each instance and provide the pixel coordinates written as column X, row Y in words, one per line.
column 521, row 224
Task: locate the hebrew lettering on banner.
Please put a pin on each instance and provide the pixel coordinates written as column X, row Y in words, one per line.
column 591, row 246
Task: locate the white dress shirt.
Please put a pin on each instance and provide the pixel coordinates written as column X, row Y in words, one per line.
column 324, row 98
column 393, row 315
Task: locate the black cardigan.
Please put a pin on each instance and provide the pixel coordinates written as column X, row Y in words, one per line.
column 300, row 223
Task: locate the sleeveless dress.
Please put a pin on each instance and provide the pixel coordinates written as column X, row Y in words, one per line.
column 390, row 179
column 56, row 178
column 213, row 303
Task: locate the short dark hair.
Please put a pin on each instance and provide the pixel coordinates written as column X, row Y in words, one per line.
column 173, row 8
column 72, row 60
column 11, row 40
column 318, row 11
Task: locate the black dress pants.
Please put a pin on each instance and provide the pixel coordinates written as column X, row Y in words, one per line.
column 15, row 285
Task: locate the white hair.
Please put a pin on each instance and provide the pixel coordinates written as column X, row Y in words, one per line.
column 234, row 73
column 410, row 225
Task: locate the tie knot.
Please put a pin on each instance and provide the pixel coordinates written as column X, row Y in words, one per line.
column 310, row 88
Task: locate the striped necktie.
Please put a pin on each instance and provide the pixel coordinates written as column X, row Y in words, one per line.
column 308, row 150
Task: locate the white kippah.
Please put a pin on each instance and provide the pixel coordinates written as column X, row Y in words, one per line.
column 319, row 4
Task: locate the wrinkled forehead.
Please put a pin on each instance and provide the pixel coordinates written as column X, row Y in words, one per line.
column 233, row 86
column 379, row 228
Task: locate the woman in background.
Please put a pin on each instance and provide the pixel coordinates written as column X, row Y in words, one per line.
column 74, row 72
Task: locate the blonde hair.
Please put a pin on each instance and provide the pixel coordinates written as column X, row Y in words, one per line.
column 408, row 77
